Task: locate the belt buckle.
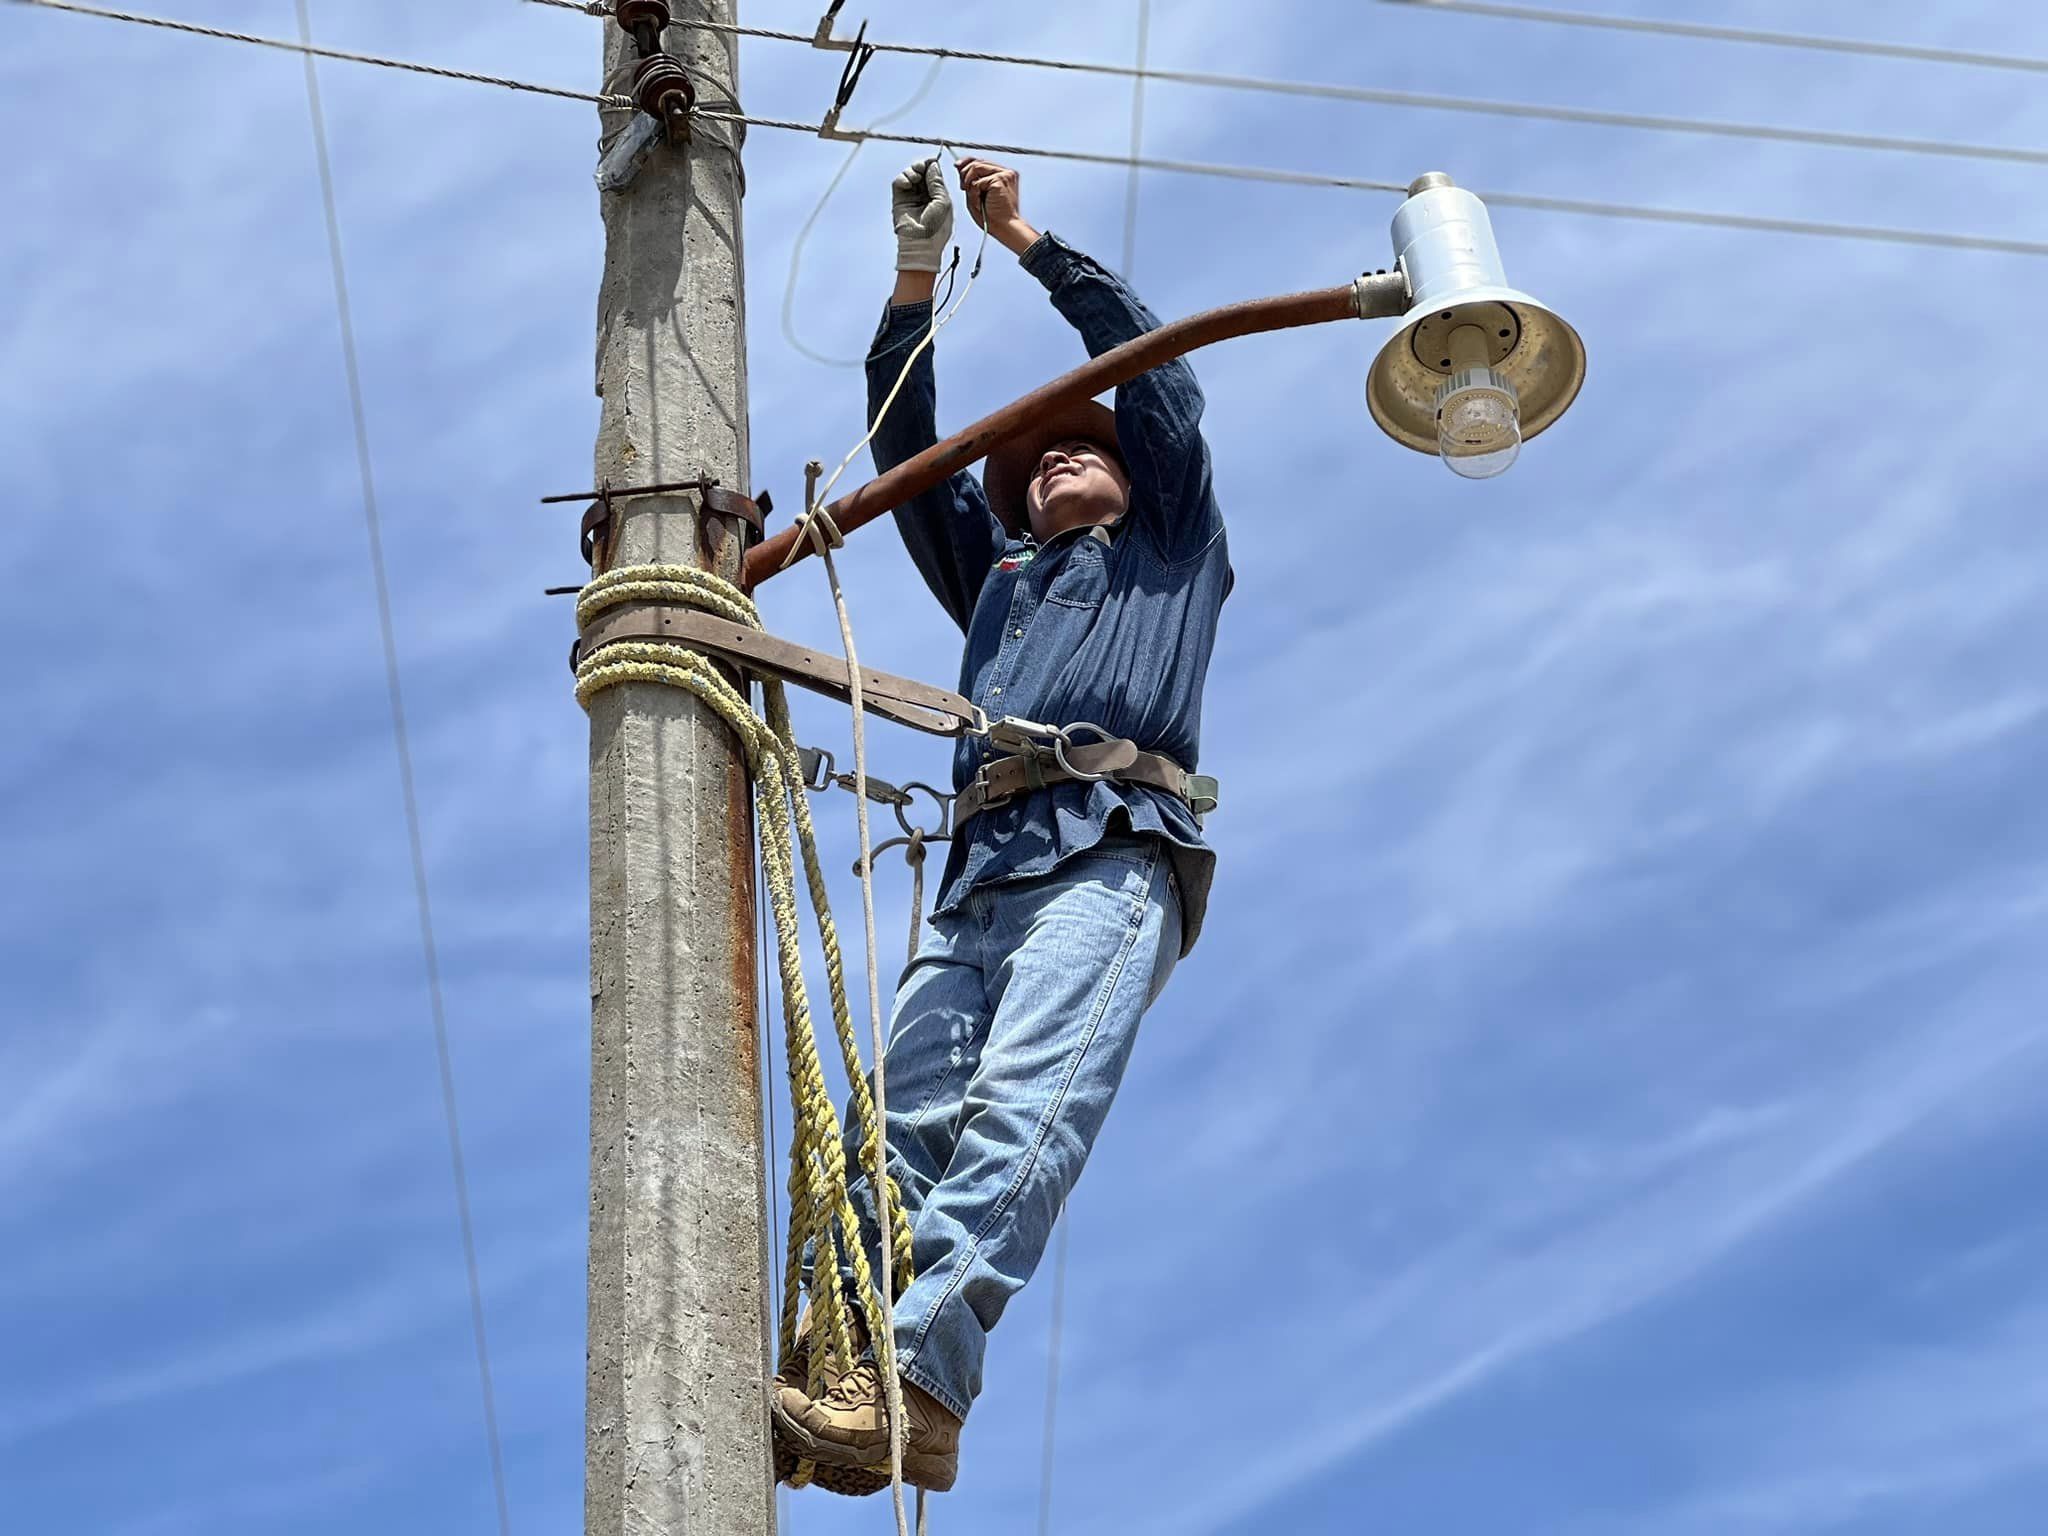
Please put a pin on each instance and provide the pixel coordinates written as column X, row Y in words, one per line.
column 981, row 787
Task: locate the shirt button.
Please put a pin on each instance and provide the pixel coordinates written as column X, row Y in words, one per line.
column 1017, row 634
column 997, row 690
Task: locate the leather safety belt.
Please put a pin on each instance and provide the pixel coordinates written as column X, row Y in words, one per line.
column 1037, row 766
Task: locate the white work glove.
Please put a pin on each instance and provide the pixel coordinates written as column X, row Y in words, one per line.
column 922, row 211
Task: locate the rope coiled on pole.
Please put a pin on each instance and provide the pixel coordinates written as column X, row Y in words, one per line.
column 822, row 1217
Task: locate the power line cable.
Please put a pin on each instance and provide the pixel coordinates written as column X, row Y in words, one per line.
column 1932, row 239
column 1935, row 239
column 223, row 35
column 1432, row 101
column 401, row 740
column 1721, row 34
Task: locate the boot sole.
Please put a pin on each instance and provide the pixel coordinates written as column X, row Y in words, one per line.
column 922, row 1469
column 852, row 1482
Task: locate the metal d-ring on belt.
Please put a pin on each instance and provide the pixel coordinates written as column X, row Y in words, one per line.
column 820, row 771
column 1027, row 755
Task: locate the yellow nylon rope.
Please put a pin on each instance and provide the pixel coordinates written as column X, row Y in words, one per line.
column 821, row 1213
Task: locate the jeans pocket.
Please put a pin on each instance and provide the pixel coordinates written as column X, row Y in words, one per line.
column 1125, row 849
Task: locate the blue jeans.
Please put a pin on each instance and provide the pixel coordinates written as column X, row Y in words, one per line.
column 1011, row 1032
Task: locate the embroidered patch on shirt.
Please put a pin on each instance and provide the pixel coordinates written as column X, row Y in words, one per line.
column 1015, row 562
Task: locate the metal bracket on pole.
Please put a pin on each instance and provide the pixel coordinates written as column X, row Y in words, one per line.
column 596, row 533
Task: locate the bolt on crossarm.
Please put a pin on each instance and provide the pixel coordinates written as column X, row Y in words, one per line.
column 1476, row 367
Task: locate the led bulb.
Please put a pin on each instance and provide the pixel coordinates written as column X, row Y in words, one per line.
column 1478, row 423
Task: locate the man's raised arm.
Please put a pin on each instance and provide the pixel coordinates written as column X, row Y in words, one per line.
column 952, row 537
column 1159, row 413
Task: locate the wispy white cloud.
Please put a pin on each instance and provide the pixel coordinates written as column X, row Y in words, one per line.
column 1900, row 1431
column 1556, row 1252
column 392, row 1305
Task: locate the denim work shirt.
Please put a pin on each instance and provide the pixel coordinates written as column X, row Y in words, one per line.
column 1116, row 632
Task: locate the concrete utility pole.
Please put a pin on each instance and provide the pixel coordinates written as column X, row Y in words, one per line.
column 677, row 1418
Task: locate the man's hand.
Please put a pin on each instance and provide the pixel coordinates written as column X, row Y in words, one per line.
column 921, row 210
column 992, row 202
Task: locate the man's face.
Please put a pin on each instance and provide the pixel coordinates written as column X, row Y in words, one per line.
column 1076, row 483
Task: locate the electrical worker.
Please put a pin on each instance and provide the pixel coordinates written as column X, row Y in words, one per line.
column 1087, row 576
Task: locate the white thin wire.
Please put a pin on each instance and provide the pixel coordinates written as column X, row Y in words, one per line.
column 885, row 1345
column 796, row 251
column 1719, row 34
column 938, row 323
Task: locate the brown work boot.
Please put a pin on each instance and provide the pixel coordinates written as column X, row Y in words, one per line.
column 795, row 1369
column 794, row 1374
column 849, row 1428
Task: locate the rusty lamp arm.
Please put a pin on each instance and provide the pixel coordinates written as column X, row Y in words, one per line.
column 1375, row 296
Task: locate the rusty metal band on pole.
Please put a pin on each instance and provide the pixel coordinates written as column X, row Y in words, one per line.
column 950, row 455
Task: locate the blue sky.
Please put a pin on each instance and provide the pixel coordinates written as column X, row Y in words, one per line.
column 1607, row 1097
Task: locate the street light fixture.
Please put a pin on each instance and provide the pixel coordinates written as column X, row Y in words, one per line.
column 1477, row 367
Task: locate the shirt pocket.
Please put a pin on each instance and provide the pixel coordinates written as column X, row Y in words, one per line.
column 1083, row 581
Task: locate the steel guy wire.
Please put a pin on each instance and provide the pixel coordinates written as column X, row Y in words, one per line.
column 1437, row 102
column 409, row 791
column 1720, row 34
column 1838, row 231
